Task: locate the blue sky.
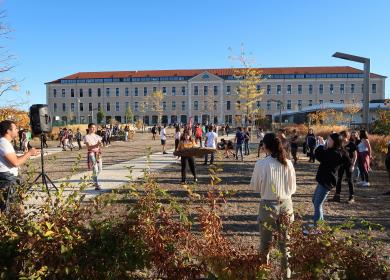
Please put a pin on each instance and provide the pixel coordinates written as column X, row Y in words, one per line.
column 52, row 39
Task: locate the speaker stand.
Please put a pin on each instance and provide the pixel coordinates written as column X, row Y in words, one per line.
column 45, row 179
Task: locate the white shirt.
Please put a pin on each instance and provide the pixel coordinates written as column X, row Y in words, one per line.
column 92, row 139
column 260, row 135
column 5, row 149
column 163, row 134
column 273, row 180
column 177, row 135
column 211, row 136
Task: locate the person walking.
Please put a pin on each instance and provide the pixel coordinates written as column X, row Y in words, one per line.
column 198, row 134
column 387, row 163
column 356, row 173
column 364, row 157
column 78, row 137
column 127, row 129
column 246, row 141
column 94, row 154
column 154, row 132
column 351, row 150
column 311, row 144
column 239, row 141
column 294, row 146
column 44, row 140
column 210, row 142
column 186, row 142
column 70, row 139
column 331, row 157
column 177, row 137
column 65, row 139
column 260, row 136
column 274, row 179
column 227, row 127
column 163, row 137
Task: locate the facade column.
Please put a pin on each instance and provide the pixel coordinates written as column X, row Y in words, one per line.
column 221, row 103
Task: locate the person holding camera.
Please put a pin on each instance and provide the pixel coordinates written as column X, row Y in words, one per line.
column 10, row 162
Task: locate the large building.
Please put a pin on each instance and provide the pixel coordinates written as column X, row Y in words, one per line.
column 205, row 95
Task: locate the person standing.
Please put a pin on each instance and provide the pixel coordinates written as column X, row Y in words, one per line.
column 198, row 134
column 94, row 155
column 78, row 137
column 246, row 141
column 274, row 178
column 186, row 142
column 163, row 137
column 239, row 141
column 260, row 136
column 364, row 157
column 154, row 132
column 227, row 127
column 311, row 143
column 387, row 163
column 177, row 137
column 331, row 157
column 70, row 139
column 10, row 162
column 350, row 148
column 127, row 129
column 210, row 142
column 294, row 146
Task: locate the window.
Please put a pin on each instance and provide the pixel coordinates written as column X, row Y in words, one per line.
column 331, row 101
column 63, row 92
column 205, row 105
column 154, row 89
column 81, row 92
column 145, row 91
column 183, row 105
column 99, row 92
column 331, row 89
column 278, row 105
column 183, row 90
column 107, row 92
column 321, row 101
column 310, row 102
column 127, row 105
column 126, row 92
column 196, row 105
column 215, row 105
column 228, row 105
column 268, row 105
column 108, row 106
column 227, row 89
column 55, row 107
column 362, row 87
column 268, row 89
column 288, row 89
column 164, row 90
column 135, row 106
column 341, row 88
column 238, row 105
column 310, row 89
column 258, row 87
column 81, row 107
column 136, row 91
column 352, row 88
column 205, row 90
column 196, row 90
column 54, row 93
column 288, row 104
column 173, row 91
column 215, row 90
column 63, row 107
column 117, row 106
column 341, row 101
column 258, row 105
column 299, row 104
column 373, row 88
column 72, row 107
column 278, row 89
column 90, row 107
column 164, row 105
column 89, row 92
column 173, row 105
column 117, row 92
column 321, row 89
column 72, row 92
column 99, row 106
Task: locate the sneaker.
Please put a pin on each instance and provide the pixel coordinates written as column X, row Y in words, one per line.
column 98, row 188
column 196, row 180
column 164, row 153
column 365, row 184
column 336, row 198
column 351, row 200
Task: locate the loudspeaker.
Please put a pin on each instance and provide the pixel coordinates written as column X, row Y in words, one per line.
column 39, row 119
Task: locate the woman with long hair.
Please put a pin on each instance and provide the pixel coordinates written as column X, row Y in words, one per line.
column 274, row 178
column 186, row 142
column 331, row 157
column 364, row 157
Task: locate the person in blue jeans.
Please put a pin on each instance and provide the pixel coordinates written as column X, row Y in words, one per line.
column 331, row 157
column 239, row 141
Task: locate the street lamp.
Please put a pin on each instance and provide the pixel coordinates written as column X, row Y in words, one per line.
column 280, row 104
column 366, row 83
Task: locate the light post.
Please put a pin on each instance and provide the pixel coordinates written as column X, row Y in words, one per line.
column 366, row 83
column 280, row 104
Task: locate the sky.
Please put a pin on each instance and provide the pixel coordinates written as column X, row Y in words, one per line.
column 53, row 39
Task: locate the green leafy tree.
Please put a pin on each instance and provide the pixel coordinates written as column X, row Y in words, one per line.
column 100, row 115
column 129, row 115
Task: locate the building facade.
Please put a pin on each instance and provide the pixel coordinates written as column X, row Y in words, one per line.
column 204, row 95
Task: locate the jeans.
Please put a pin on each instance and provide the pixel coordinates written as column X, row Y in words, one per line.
column 270, row 212
column 239, row 148
column 206, row 157
column 311, row 154
column 246, row 147
column 97, row 167
column 319, row 198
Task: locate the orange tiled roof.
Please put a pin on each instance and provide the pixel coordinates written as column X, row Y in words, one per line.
column 218, row 72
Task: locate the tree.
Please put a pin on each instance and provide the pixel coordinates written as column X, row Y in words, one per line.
column 156, row 99
column 352, row 109
column 129, row 115
column 100, row 115
column 20, row 117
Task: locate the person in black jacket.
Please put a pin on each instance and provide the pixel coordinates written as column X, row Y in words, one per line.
column 331, row 157
column 311, row 144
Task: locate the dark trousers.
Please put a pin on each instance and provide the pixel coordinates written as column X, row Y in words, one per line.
column 206, row 158
column 294, row 151
column 363, row 172
column 191, row 163
column 246, row 147
column 311, row 154
column 176, row 144
column 79, row 143
column 348, row 174
column 8, row 184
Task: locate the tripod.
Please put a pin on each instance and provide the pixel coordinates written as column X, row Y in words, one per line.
column 45, row 179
